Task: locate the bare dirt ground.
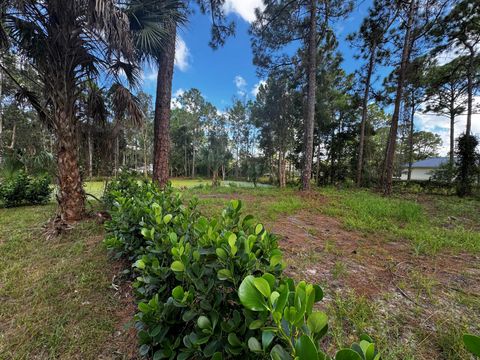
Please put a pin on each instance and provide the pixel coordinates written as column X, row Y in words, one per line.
column 423, row 292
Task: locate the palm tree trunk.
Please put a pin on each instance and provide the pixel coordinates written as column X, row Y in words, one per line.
column 162, row 110
column 392, row 139
column 366, row 93
column 71, row 198
column 311, row 94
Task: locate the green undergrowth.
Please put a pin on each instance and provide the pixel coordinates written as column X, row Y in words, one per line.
column 399, row 218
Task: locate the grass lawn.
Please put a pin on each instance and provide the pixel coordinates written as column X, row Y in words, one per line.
column 56, row 295
column 405, row 270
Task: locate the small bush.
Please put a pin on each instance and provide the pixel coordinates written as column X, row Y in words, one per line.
column 211, row 287
column 21, row 189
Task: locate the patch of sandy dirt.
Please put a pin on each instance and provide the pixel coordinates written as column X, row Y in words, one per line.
column 317, row 248
column 123, row 342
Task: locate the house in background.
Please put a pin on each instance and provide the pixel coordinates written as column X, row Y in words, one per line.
column 423, row 169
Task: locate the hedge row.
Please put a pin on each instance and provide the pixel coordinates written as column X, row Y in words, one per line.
column 213, row 287
column 21, row 189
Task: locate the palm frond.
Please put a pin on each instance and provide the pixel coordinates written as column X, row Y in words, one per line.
column 126, row 106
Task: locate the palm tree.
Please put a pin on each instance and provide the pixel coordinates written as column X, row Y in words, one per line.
column 69, row 43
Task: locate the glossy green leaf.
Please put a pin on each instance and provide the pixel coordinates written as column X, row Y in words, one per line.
column 234, row 340
column 279, row 353
column 177, row 266
column 203, row 322
column 167, row 218
column 262, row 285
column 317, row 321
column 347, row 354
column 224, row 274
column 257, row 324
column 472, row 343
column 258, row 229
column 305, row 349
column 267, row 338
column 249, row 296
column 178, row 293
column 254, row 345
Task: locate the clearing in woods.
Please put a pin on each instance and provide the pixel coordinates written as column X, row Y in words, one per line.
column 405, row 270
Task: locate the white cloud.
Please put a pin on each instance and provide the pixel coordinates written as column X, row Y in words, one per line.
column 182, row 55
column 243, row 8
column 241, row 85
column 441, row 125
column 240, row 82
column 256, row 87
column 175, row 103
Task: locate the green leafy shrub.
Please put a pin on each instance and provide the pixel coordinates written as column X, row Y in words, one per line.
column 287, row 320
column 472, row 344
column 189, row 273
column 21, row 189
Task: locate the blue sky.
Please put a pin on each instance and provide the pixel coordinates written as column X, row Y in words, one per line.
column 228, row 72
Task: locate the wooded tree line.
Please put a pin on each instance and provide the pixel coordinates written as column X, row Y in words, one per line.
column 70, row 99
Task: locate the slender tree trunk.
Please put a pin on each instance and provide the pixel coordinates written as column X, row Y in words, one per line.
column 452, row 138
column 281, row 170
column 14, row 136
column 71, row 198
column 311, row 95
column 193, row 162
column 1, row 111
column 116, row 156
column 223, row 172
column 392, row 139
column 366, row 93
column 185, row 161
column 90, row 152
column 145, row 161
column 470, row 73
column 318, row 162
column 162, row 110
column 410, row 141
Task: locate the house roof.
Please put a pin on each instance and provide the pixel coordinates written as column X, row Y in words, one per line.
column 432, row 163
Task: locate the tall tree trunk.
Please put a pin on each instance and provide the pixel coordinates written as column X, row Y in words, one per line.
column 366, row 93
column 71, row 198
column 116, row 155
column 1, row 111
column 90, row 152
column 470, row 73
column 162, row 109
column 392, row 139
column 410, row 141
column 193, row 161
column 318, row 162
column 311, row 97
column 145, row 166
column 281, row 169
column 185, row 161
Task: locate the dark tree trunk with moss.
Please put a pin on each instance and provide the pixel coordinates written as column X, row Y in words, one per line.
column 162, row 111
